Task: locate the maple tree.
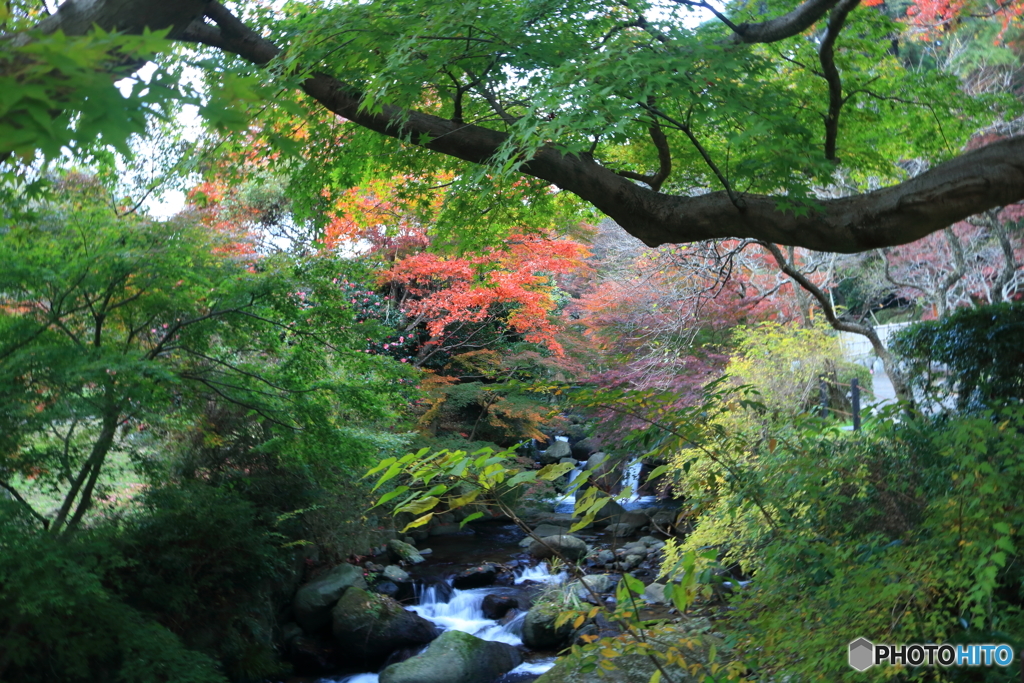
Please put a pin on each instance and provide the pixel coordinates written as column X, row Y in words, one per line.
column 662, row 316
column 678, row 133
column 480, row 320
column 476, row 322
column 512, row 282
column 967, row 264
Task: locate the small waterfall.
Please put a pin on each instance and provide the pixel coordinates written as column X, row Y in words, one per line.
column 540, row 574
column 632, row 478
column 463, row 612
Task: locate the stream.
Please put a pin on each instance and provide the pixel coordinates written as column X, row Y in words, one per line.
column 463, row 612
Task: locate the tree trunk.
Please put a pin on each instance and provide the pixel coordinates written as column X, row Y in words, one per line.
column 87, row 476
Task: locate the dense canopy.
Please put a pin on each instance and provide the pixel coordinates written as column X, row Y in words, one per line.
column 792, row 124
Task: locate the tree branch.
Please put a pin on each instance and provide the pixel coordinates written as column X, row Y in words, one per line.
column 971, row 183
column 826, row 55
column 959, row 268
column 1009, row 261
column 788, row 25
column 736, row 200
column 842, row 325
column 664, row 160
column 31, row 510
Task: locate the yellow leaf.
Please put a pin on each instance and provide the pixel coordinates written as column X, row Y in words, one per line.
column 418, row 522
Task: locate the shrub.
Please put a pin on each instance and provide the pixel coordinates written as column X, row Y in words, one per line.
column 975, row 353
column 62, row 622
column 906, row 533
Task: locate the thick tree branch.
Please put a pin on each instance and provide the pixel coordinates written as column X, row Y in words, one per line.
column 826, row 55
column 788, row 25
column 77, row 17
column 974, row 182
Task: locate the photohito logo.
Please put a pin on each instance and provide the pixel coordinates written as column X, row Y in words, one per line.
column 864, row 654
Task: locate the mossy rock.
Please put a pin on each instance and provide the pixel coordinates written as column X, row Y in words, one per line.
column 313, row 601
column 455, row 657
column 539, row 632
column 368, row 627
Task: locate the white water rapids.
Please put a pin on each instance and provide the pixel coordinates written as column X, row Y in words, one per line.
column 463, row 612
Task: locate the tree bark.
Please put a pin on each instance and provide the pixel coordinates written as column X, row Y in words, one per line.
column 971, row 183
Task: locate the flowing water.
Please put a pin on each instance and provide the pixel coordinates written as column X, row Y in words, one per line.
column 462, row 612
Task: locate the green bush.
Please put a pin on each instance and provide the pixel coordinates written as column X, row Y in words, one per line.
column 62, row 622
column 907, row 533
column 980, row 348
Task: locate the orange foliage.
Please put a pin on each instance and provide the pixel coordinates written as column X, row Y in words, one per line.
column 443, row 291
column 377, row 212
column 934, row 17
column 231, row 219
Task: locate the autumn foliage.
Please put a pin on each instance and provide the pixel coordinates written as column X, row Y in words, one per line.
column 514, row 281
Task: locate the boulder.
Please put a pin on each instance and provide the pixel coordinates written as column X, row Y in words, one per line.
column 388, row 588
column 619, row 529
column 584, row 448
column 314, row 655
column 497, row 606
column 634, row 518
column 400, row 551
column 555, row 452
column 606, row 474
column 455, row 657
column 447, row 529
column 543, row 530
column 598, row 583
column 367, row 627
column 631, row 562
column 634, row 548
column 396, row 574
column 313, row 602
column 435, row 590
column 480, row 576
column 534, row 517
column 664, row 519
column 655, row 594
column 569, row 547
column 609, row 513
column 539, row 631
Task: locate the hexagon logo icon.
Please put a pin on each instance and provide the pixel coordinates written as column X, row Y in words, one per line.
column 862, row 654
